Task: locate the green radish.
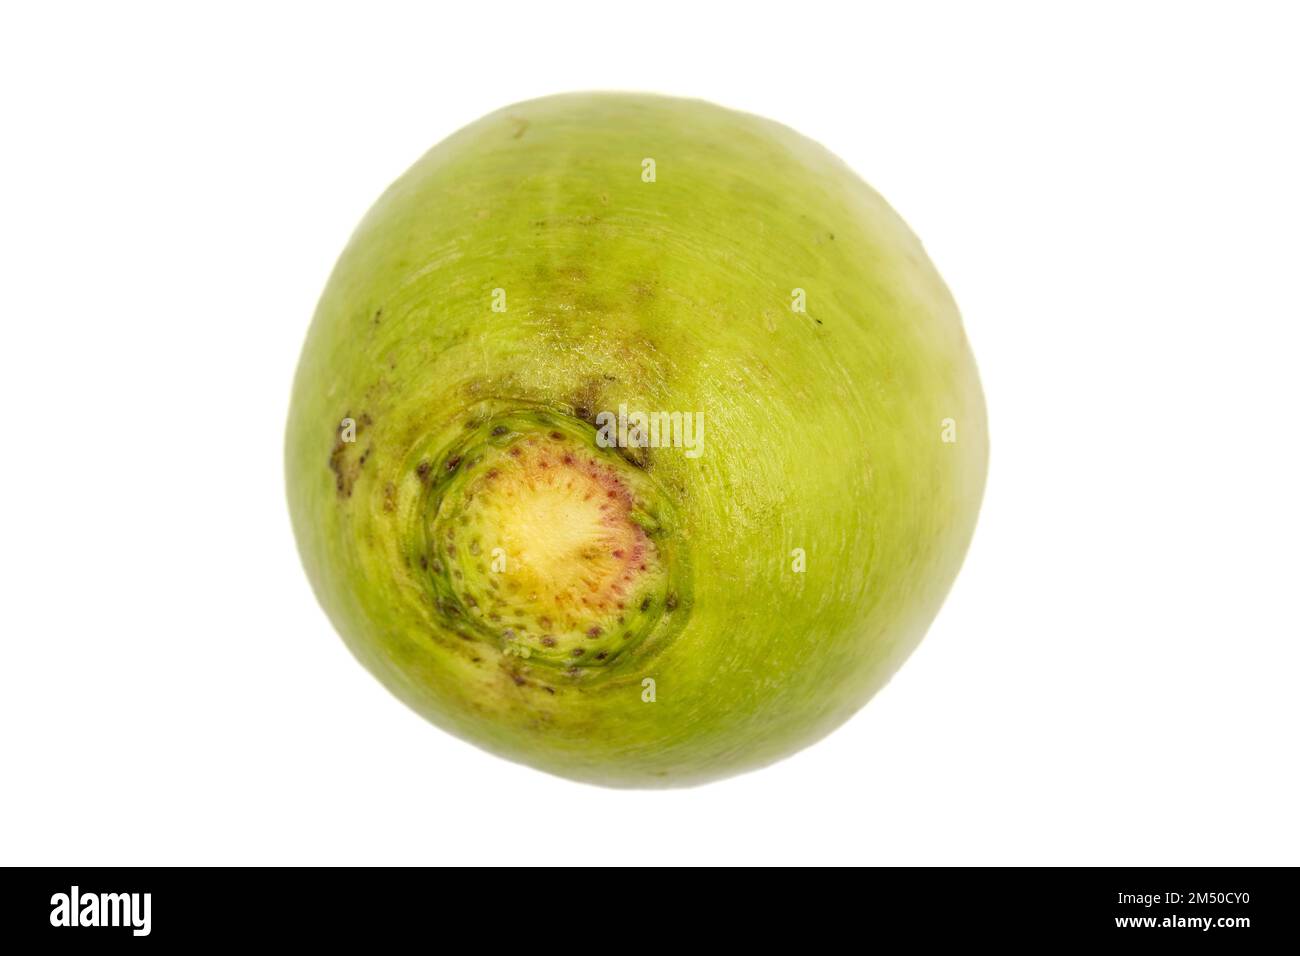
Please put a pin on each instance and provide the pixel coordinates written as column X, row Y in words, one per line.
column 634, row 439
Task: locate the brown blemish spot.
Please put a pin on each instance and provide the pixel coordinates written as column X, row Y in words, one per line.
column 577, row 652
column 500, row 430
column 593, row 632
column 453, row 462
column 670, row 602
column 390, row 497
column 548, row 641
column 518, row 679
column 345, row 471
column 341, row 484
column 423, row 469
column 586, row 398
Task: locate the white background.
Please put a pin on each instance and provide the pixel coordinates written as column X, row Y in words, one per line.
column 1110, row 191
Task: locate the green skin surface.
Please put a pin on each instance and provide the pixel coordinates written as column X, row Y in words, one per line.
column 823, row 429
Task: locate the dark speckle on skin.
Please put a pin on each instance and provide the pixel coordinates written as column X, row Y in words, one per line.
column 645, row 605
column 670, row 602
column 500, row 430
column 518, row 679
column 347, row 471
column 636, row 457
column 423, row 469
column 577, row 652
column 453, row 462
